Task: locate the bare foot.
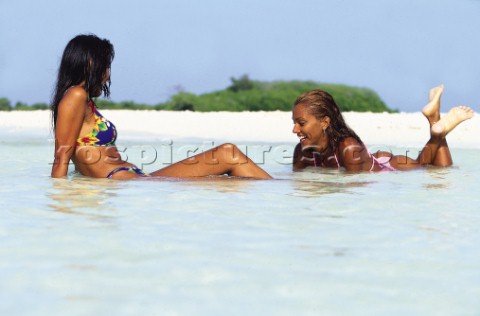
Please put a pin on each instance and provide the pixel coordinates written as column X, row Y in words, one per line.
column 432, row 109
column 454, row 117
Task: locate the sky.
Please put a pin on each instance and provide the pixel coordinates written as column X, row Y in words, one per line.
column 399, row 49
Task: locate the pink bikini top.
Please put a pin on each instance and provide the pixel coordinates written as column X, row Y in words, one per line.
column 382, row 162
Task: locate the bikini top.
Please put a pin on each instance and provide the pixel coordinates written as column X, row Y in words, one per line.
column 382, row 162
column 103, row 133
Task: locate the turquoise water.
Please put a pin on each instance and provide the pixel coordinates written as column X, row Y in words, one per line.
column 310, row 243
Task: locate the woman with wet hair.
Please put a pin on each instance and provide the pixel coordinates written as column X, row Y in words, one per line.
column 83, row 135
column 327, row 141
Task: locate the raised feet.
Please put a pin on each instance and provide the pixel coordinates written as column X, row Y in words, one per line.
column 432, row 109
column 454, row 117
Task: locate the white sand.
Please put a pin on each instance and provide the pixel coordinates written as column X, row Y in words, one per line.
column 400, row 129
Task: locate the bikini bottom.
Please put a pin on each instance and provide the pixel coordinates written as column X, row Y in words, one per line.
column 129, row 169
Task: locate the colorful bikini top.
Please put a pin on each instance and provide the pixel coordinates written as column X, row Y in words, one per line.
column 103, row 133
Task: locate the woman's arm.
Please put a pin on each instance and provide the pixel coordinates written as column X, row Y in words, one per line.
column 71, row 113
column 299, row 162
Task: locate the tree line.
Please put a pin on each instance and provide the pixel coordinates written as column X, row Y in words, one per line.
column 243, row 94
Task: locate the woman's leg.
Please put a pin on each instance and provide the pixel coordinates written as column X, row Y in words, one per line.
column 435, row 151
column 224, row 159
column 444, row 126
column 438, row 132
column 442, row 156
column 426, row 156
column 436, row 147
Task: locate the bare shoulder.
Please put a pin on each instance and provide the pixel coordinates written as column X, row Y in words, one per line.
column 353, row 154
column 349, row 142
column 75, row 94
column 350, row 147
column 74, row 99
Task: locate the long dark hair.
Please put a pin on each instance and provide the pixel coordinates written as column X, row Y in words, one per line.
column 86, row 58
column 321, row 104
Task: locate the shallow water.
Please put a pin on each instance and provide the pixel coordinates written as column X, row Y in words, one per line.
column 309, row 243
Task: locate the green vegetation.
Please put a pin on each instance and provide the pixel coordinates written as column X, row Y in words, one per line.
column 245, row 95
column 248, row 95
column 19, row 106
column 125, row 105
column 5, row 105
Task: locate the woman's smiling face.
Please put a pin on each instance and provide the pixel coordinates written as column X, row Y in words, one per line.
column 308, row 128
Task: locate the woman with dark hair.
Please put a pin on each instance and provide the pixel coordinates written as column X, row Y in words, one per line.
column 87, row 138
column 327, row 141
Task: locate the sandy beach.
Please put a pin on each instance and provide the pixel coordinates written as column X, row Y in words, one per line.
column 398, row 129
